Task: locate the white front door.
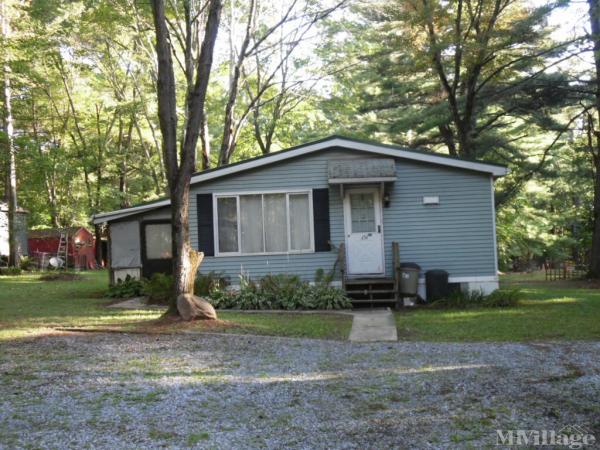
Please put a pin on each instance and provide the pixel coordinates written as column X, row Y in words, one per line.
column 364, row 234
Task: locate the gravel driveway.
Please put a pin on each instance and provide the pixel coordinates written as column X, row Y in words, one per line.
column 133, row 391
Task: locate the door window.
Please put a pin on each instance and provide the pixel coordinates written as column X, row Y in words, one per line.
column 362, row 212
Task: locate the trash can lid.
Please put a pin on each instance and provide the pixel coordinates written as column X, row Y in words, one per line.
column 437, row 272
column 410, row 265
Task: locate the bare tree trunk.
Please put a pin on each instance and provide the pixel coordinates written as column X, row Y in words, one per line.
column 122, row 167
column 98, row 238
column 204, row 144
column 50, row 188
column 594, row 11
column 157, row 183
column 9, row 143
column 288, row 42
column 229, row 130
column 179, row 170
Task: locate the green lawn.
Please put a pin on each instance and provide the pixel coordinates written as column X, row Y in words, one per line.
column 30, row 307
column 549, row 311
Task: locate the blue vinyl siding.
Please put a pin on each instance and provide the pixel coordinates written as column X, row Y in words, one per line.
column 456, row 235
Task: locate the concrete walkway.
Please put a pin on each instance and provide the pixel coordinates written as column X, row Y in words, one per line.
column 373, row 325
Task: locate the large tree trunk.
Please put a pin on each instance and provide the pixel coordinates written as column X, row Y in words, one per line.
column 9, row 144
column 594, row 11
column 182, row 250
column 179, row 168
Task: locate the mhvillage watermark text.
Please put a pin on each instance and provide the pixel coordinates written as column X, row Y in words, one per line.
column 571, row 436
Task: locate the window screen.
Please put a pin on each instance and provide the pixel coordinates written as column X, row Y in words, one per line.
column 299, row 222
column 228, row 225
column 158, row 241
column 275, row 223
column 251, row 222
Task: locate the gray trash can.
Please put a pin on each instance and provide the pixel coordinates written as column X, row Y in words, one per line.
column 409, row 279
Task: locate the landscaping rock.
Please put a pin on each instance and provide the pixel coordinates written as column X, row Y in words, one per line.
column 191, row 307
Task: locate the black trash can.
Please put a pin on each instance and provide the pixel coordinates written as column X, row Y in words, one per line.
column 436, row 282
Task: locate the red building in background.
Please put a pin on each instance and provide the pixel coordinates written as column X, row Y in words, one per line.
column 80, row 246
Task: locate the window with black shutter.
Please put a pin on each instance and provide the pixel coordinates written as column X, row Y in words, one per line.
column 321, row 220
column 206, row 237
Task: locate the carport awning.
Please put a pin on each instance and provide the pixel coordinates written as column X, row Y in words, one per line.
column 353, row 171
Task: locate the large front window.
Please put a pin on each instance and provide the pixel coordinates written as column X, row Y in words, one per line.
column 264, row 223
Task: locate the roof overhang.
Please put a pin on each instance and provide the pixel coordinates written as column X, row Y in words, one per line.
column 126, row 212
column 360, row 171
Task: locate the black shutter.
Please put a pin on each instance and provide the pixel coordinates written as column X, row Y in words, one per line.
column 206, row 236
column 321, row 219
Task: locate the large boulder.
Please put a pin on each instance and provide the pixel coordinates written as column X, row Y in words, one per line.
column 191, row 307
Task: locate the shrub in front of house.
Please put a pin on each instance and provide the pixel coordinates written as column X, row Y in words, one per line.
column 10, row 271
column 127, row 288
column 158, row 288
column 206, row 283
column 286, row 292
column 477, row 299
column 503, row 297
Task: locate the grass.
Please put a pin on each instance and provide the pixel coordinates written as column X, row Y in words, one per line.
column 562, row 310
column 29, row 306
column 321, row 326
column 32, row 307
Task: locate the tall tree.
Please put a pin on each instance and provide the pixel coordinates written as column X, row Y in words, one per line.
column 180, row 162
column 84, row 111
column 458, row 74
column 8, row 138
column 594, row 138
column 258, row 63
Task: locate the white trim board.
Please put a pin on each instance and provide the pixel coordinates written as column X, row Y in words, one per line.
column 494, row 225
column 361, row 180
column 473, row 279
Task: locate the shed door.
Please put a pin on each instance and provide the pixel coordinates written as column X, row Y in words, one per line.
column 156, row 247
column 364, row 234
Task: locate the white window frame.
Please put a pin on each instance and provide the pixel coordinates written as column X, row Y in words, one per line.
column 287, row 193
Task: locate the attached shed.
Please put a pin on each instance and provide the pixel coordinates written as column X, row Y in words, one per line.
column 295, row 211
column 140, row 244
column 22, row 215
